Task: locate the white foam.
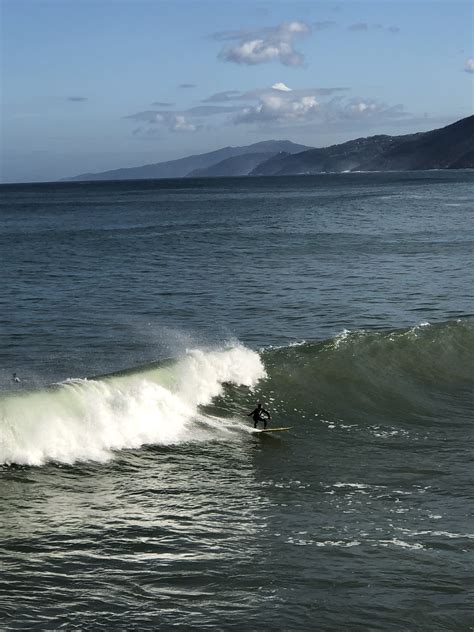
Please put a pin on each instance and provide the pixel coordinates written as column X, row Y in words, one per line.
column 341, row 338
column 401, row 543
column 88, row 419
column 445, row 534
column 358, row 485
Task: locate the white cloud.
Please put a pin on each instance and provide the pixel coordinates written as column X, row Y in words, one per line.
column 179, row 123
column 359, row 108
column 276, row 107
column 469, row 65
column 281, row 86
column 265, row 45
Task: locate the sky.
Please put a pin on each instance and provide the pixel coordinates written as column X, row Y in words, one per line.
column 92, row 85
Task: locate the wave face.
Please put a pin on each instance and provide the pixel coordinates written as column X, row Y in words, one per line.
column 422, row 374
column 88, row 419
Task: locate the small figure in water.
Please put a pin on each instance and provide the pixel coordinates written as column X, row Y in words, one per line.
column 15, row 378
column 260, row 414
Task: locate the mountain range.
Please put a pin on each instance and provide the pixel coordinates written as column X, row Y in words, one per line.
column 201, row 162
column 450, row 147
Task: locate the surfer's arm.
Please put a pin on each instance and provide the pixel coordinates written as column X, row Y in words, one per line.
column 252, row 413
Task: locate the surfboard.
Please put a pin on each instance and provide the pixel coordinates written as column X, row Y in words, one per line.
column 273, row 429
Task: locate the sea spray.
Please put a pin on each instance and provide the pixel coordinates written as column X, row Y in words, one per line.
column 88, row 419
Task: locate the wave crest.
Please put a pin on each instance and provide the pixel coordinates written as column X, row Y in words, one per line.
column 88, row 419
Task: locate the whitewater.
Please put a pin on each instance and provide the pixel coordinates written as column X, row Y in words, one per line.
column 89, row 419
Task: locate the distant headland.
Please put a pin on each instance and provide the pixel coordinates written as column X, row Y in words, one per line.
column 450, row 147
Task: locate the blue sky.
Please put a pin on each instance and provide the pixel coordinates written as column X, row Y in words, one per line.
column 90, row 85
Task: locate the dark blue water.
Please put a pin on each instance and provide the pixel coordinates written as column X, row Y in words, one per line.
column 141, row 499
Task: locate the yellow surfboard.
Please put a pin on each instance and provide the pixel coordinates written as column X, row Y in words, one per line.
column 273, row 429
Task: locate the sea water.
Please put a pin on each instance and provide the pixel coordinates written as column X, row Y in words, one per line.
column 145, row 319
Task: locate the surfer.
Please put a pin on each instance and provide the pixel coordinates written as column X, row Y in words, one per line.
column 15, row 378
column 259, row 414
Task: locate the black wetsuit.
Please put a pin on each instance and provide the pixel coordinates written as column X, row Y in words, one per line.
column 259, row 414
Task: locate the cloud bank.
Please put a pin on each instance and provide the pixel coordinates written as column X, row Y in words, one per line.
column 281, row 106
column 273, row 108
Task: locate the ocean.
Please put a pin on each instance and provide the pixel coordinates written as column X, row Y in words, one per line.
column 146, row 319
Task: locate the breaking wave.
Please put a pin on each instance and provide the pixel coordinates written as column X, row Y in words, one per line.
column 88, row 419
column 391, row 381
